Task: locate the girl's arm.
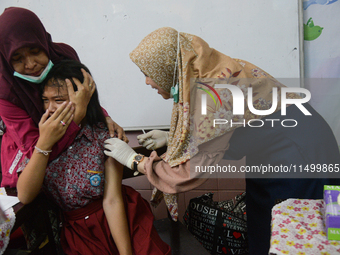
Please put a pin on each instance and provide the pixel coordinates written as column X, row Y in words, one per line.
column 31, row 179
column 114, row 208
column 22, row 130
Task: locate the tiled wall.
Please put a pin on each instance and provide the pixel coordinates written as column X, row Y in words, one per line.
column 223, row 188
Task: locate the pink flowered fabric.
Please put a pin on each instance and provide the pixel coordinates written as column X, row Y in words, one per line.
column 5, row 229
column 298, row 228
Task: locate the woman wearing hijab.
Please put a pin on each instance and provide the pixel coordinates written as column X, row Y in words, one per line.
column 27, row 53
column 167, row 57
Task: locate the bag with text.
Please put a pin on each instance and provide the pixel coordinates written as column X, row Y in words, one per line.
column 221, row 227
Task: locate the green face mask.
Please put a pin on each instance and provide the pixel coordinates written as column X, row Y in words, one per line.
column 35, row 79
column 174, row 93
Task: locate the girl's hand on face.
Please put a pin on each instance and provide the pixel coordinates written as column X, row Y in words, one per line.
column 82, row 97
column 52, row 128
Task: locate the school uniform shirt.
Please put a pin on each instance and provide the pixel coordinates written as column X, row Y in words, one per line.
column 76, row 177
column 75, row 181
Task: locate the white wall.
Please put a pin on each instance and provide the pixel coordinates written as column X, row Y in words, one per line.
column 322, row 62
column 104, row 32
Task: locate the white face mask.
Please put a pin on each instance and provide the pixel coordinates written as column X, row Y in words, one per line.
column 35, row 79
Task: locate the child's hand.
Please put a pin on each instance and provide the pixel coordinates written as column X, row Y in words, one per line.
column 52, row 128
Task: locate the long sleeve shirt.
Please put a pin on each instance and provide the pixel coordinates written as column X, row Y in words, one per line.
column 19, row 139
column 184, row 177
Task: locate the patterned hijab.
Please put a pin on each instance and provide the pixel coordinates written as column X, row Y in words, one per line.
column 156, row 56
column 19, row 28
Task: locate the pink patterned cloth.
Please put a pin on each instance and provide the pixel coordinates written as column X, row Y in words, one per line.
column 298, row 228
column 5, row 229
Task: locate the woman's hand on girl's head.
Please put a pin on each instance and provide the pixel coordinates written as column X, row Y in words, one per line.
column 52, row 128
column 82, row 97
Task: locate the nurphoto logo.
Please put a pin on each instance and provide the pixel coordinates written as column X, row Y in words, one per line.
column 239, row 102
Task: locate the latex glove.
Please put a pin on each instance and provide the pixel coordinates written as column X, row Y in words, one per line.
column 120, row 151
column 154, row 139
